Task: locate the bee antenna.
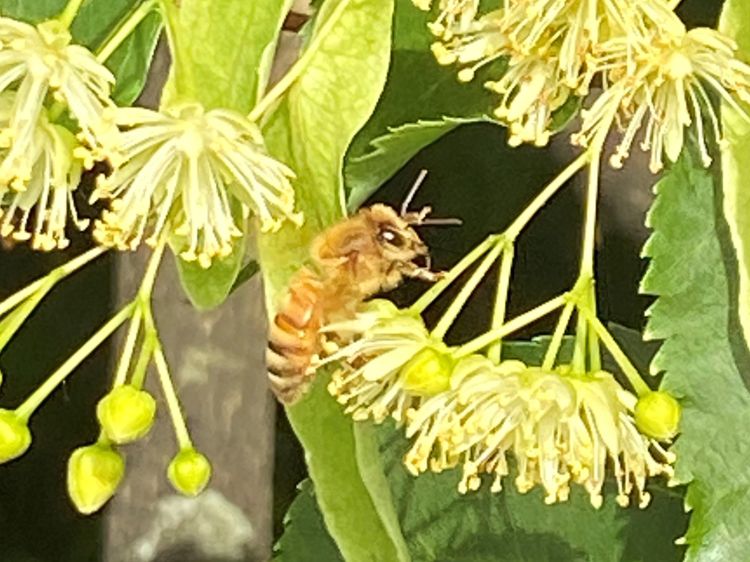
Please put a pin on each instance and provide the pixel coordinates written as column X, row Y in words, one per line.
column 412, row 192
column 442, row 222
column 419, row 218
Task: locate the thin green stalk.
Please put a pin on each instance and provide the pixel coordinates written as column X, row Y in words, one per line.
column 173, row 403
column 25, row 410
column 129, row 347
column 595, row 356
column 429, row 296
column 10, row 325
column 124, row 29
column 632, row 374
column 144, row 358
column 70, row 12
column 550, row 356
column 273, row 95
column 501, row 300
column 57, row 274
column 466, row 291
column 517, row 323
column 512, row 232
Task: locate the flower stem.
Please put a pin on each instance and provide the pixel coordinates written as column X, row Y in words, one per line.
column 127, row 351
column 466, row 291
column 634, row 377
column 509, row 327
column 25, row 410
column 10, row 324
column 557, row 337
column 70, row 12
column 57, row 274
column 124, row 29
column 173, row 403
column 429, row 296
column 512, row 232
column 299, row 67
column 501, row 300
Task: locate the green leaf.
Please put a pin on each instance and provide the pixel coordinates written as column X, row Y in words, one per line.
column 95, row 21
column 209, row 287
column 694, row 282
column 421, row 102
column 735, row 22
column 310, row 130
column 222, row 49
column 305, row 537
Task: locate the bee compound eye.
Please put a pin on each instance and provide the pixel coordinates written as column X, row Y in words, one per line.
column 391, row 237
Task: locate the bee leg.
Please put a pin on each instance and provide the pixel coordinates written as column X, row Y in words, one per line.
column 424, row 274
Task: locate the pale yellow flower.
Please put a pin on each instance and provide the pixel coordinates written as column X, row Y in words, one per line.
column 37, row 61
column 191, row 169
column 44, row 206
column 663, row 89
column 454, row 15
column 559, row 430
column 370, row 381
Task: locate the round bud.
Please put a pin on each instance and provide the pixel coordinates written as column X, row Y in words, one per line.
column 126, row 413
column 657, row 415
column 428, row 372
column 15, row 436
column 94, row 473
column 189, row 472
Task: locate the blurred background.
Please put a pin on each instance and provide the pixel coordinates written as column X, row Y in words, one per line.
column 217, row 357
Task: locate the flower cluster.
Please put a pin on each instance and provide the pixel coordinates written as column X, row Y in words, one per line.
column 40, row 161
column 557, row 426
column 657, row 76
column 191, row 173
column 190, row 168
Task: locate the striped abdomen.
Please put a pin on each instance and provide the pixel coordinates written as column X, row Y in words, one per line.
column 293, row 337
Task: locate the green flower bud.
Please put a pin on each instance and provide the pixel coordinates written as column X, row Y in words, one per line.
column 428, row 372
column 15, row 436
column 189, row 472
column 657, row 415
column 126, row 413
column 94, row 473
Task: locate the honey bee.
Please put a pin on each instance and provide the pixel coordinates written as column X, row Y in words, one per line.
column 369, row 252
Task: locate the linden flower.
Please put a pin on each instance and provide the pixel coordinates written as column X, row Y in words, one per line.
column 667, row 88
column 46, row 199
column 576, row 27
column 559, row 429
column 35, row 62
column 189, row 167
column 454, row 14
column 371, row 382
column 531, row 91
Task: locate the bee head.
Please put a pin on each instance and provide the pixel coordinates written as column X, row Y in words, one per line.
column 395, row 236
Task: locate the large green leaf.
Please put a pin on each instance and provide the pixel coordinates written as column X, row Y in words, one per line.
column 311, row 130
column 694, row 282
column 735, row 22
column 95, row 21
column 222, row 49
